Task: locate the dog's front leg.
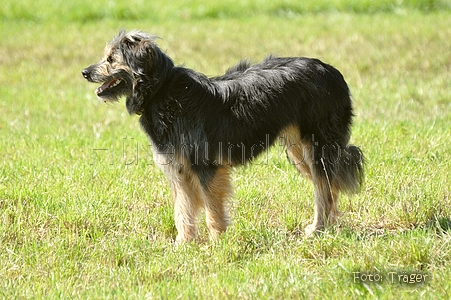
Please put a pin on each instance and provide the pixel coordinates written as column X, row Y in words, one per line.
column 187, row 204
column 218, row 190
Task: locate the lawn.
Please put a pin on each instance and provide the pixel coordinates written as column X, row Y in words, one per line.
column 85, row 214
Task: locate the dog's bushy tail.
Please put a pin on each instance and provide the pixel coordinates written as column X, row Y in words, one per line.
column 344, row 169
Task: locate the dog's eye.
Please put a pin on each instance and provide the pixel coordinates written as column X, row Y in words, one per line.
column 109, row 59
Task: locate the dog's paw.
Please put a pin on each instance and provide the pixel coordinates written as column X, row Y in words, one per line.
column 312, row 230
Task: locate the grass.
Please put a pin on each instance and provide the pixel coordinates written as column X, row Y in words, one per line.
column 80, row 222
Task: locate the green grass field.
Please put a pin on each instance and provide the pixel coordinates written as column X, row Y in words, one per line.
column 85, row 214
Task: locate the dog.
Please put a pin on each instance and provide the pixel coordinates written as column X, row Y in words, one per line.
column 200, row 127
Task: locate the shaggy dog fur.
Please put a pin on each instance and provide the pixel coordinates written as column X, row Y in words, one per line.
column 200, row 127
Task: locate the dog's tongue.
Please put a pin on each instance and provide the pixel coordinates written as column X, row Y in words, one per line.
column 105, row 86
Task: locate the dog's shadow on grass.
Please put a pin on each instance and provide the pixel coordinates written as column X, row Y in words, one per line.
column 436, row 225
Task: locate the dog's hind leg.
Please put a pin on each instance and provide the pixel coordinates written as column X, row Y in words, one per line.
column 302, row 157
column 217, row 190
column 326, row 199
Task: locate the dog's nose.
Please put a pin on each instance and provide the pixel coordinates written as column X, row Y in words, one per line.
column 85, row 73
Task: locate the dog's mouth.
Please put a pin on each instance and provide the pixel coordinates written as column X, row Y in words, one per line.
column 108, row 87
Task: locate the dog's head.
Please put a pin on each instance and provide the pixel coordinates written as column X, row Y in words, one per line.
column 129, row 68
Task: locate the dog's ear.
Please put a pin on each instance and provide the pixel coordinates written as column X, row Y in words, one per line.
column 149, row 64
column 138, row 52
column 137, row 48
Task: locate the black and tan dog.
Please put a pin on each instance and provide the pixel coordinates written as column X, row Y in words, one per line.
column 200, row 127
